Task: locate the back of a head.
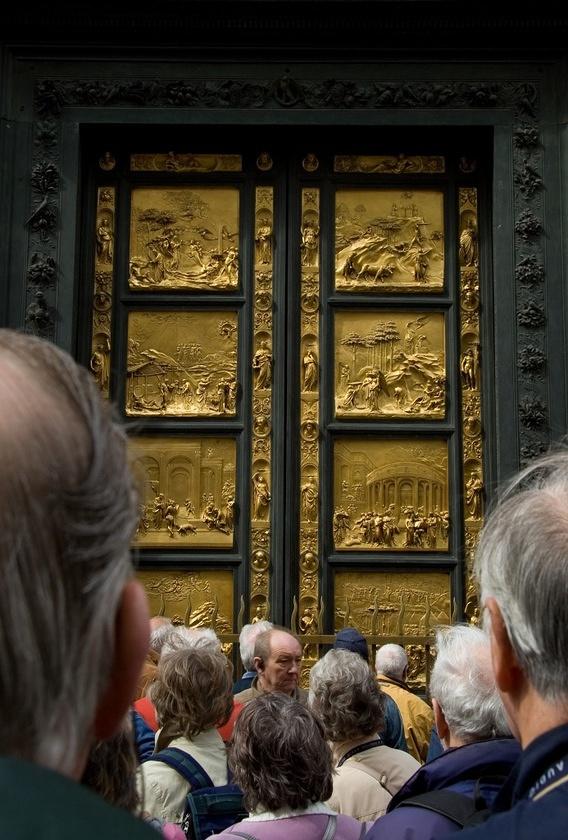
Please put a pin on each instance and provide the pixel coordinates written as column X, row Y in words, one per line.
column 192, row 691
column 522, row 561
column 247, row 639
column 392, row 661
column 345, row 696
column 190, row 638
column 351, row 639
column 67, row 516
column 160, row 629
column 462, row 682
column 279, row 755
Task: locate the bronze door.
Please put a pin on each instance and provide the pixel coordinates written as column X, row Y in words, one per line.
column 294, row 337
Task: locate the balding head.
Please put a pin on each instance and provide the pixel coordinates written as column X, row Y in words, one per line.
column 67, row 515
column 277, row 659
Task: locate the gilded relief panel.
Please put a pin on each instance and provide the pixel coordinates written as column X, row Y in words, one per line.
column 391, row 495
column 389, row 240
column 103, row 288
column 185, row 162
column 182, row 364
column 389, row 364
column 390, row 164
column 184, row 238
column 392, row 603
column 196, row 598
column 187, row 489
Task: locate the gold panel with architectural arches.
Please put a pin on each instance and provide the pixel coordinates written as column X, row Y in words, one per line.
column 389, row 240
column 184, row 238
column 390, row 494
column 187, row 486
column 389, row 364
column 182, row 364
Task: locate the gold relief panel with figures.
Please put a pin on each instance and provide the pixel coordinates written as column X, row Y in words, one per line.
column 185, row 162
column 184, row 238
column 390, row 494
column 195, row 598
column 182, row 364
column 390, row 364
column 392, row 603
column 187, row 491
column 389, row 240
column 103, row 288
column 390, row 164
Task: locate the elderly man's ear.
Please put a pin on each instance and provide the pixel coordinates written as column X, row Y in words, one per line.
column 131, row 638
column 508, row 674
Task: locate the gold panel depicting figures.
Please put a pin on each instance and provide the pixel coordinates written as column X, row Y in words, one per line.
column 392, row 603
column 187, row 491
column 182, row 364
column 389, row 240
column 389, row 364
column 184, row 238
column 196, row 598
column 185, row 162
column 390, row 495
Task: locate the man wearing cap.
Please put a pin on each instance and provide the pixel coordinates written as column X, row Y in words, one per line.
column 393, row 736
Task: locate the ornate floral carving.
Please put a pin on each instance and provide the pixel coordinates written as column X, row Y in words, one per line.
column 42, row 270
column 528, row 180
column 526, row 136
column 529, row 271
column 38, row 314
column 528, row 226
column 45, row 177
column 532, row 413
column 532, row 359
column 530, row 451
column 531, row 315
column 46, row 134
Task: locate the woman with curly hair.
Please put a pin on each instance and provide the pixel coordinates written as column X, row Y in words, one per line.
column 346, row 698
column 282, row 762
column 192, row 694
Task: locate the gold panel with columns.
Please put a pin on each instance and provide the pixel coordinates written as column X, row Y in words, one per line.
column 262, row 368
column 389, row 240
column 182, row 364
column 103, row 288
column 390, row 494
column 470, row 377
column 184, row 238
column 187, row 489
column 390, row 364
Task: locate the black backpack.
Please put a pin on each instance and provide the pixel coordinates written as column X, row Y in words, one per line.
column 462, row 809
column 208, row 809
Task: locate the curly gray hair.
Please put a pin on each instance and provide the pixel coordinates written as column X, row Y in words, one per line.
column 346, row 697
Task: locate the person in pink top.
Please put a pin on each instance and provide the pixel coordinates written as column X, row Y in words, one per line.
column 282, row 762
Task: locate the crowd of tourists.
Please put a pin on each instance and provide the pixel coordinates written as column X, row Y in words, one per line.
column 117, row 726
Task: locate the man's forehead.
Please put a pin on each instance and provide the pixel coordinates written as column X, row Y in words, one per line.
column 284, row 644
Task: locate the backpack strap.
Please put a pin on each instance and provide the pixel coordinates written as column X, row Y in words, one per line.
column 455, row 806
column 185, row 765
column 330, row 828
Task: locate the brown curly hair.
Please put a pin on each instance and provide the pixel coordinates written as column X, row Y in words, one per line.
column 192, row 692
column 345, row 696
column 279, row 756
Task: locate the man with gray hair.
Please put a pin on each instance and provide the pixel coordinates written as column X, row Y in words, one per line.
column 247, row 639
column 450, row 790
column 391, row 665
column 73, row 621
column 522, row 569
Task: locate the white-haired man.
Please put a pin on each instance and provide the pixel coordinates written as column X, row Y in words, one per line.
column 247, row 639
column 73, row 622
column 450, row 790
column 391, row 665
column 522, row 568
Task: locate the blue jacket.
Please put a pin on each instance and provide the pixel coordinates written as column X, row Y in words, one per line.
column 542, row 773
column 393, row 734
column 244, row 682
column 456, row 770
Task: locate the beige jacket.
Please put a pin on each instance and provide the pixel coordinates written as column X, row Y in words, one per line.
column 161, row 788
column 250, row 693
column 365, row 784
column 417, row 716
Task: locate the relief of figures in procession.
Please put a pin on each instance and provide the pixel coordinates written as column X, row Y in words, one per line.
column 391, row 495
column 187, row 489
column 389, row 364
column 182, row 364
column 183, row 238
column 389, row 240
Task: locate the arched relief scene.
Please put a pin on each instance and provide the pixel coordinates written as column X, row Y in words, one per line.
column 391, row 495
column 182, row 364
column 187, row 488
column 389, row 240
column 390, row 364
column 184, row 238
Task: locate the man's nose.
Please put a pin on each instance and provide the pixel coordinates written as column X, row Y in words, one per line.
column 294, row 668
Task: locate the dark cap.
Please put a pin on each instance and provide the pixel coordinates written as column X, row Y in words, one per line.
column 350, row 639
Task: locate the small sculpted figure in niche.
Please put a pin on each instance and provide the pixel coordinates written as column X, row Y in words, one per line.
column 262, row 366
